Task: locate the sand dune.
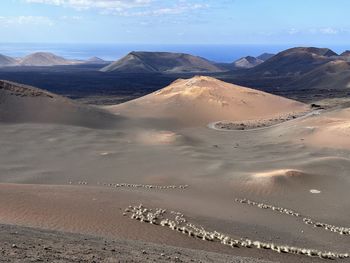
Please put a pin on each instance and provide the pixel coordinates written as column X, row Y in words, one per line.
column 21, row 103
column 67, row 177
column 201, row 100
column 278, row 173
column 276, row 181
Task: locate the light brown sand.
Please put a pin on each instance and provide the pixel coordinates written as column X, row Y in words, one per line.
column 331, row 129
column 274, row 165
column 201, row 100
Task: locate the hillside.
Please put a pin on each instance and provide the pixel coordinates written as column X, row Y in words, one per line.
column 6, row 61
column 265, row 56
column 160, row 62
column 294, row 61
column 96, row 60
column 200, row 100
column 332, row 75
column 247, row 62
column 23, row 104
column 44, row 59
column 345, row 53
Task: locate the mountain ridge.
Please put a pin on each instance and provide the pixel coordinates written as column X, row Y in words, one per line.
column 161, row 62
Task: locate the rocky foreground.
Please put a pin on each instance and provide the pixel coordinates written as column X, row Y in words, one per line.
column 20, row 244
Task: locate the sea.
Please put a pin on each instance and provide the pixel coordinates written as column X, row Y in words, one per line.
column 110, row 52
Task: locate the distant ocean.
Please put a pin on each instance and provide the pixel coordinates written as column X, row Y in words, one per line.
column 217, row 53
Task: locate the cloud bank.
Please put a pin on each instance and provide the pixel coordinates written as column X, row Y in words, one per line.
column 130, row 7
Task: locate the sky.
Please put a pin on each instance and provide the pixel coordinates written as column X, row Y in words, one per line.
column 299, row 22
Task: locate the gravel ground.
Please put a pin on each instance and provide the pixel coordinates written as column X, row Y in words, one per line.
column 20, row 244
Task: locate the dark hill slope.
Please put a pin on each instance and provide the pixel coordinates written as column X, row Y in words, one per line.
column 160, row 62
column 294, row 62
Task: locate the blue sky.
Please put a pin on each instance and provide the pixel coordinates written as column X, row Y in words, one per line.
column 299, row 22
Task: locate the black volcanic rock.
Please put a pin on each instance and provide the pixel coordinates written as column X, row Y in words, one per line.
column 161, row 62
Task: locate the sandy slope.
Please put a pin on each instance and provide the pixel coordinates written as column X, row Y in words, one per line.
column 22, row 103
column 70, row 177
column 200, row 100
column 330, row 129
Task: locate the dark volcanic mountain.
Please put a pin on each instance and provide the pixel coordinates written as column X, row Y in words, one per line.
column 24, row 104
column 247, row 62
column 294, row 61
column 161, row 62
column 265, row 56
column 96, row 60
column 330, row 76
column 7, row 61
column 44, row 59
column 345, row 53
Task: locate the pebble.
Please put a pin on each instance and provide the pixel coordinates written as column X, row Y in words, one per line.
column 315, row 191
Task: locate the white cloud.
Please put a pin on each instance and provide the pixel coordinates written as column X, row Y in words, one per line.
column 101, row 4
column 329, row 31
column 178, row 9
column 7, row 21
column 71, row 18
column 129, row 7
column 293, row 31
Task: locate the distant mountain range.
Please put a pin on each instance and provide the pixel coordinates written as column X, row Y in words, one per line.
column 299, row 68
column 7, row 61
column 295, row 61
column 45, row 59
column 161, row 62
column 166, row 62
column 245, row 62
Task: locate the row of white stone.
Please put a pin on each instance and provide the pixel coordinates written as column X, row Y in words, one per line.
column 266, row 206
column 179, row 223
column 148, row 186
column 336, row 229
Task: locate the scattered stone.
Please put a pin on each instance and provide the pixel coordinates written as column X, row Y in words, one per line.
column 146, row 186
column 177, row 222
column 336, row 229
